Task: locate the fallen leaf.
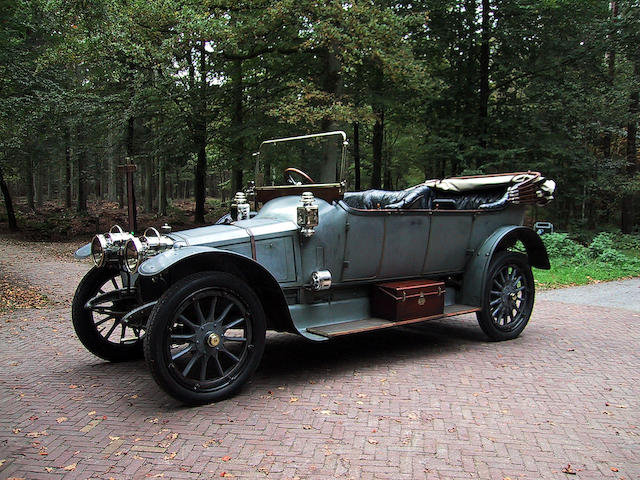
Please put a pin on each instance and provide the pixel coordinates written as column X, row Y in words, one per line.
column 16, row 430
column 614, row 405
column 92, row 412
column 307, row 427
column 37, row 434
column 71, row 468
column 614, row 469
column 112, row 438
column 170, row 456
column 226, row 475
column 73, row 387
column 49, row 469
column 226, row 458
column 325, row 412
column 293, row 399
column 61, row 419
column 3, row 461
column 568, row 470
column 33, row 417
column 372, row 441
column 451, row 430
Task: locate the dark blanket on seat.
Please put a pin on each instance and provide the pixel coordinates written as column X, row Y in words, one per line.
column 418, row 197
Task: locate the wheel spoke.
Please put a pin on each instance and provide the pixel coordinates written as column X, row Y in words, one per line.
column 191, row 363
column 203, row 367
column 196, row 306
column 218, row 365
column 122, row 332
column 225, row 312
column 237, row 321
column 179, row 354
column 188, row 322
column 231, row 355
column 100, row 322
column 115, row 324
column 114, row 283
column 235, row 339
column 177, row 337
column 494, row 302
column 212, row 310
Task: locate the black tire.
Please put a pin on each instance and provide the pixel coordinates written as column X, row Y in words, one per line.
column 508, row 296
column 95, row 328
column 205, row 337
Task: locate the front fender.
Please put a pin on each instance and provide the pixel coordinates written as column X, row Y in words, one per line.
column 180, row 262
column 503, row 238
column 83, row 252
column 166, row 259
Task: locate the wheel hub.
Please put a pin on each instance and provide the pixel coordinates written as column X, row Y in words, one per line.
column 213, row 340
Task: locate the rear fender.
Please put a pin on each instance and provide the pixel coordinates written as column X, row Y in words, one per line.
column 177, row 263
column 503, row 238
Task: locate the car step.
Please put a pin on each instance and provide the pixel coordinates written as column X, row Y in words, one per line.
column 369, row 324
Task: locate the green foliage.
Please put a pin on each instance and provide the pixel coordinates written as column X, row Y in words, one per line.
column 560, row 246
column 604, row 259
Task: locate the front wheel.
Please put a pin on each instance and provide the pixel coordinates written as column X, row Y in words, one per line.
column 100, row 302
column 205, row 337
column 508, row 296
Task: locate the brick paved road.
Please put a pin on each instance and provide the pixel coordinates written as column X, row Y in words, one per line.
column 436, row 401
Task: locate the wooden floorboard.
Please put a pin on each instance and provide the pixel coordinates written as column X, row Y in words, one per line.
column 369, row 324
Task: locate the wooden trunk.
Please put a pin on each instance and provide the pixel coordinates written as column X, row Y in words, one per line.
column 407, row 299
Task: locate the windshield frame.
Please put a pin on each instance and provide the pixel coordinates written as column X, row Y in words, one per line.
column 343, row 156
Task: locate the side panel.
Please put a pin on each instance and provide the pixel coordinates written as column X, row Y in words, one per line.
column 277, row 256
column 405, row 243
column 448, row 242
column 363, row 249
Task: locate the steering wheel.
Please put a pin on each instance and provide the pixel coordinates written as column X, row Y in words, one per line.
column 291, row 180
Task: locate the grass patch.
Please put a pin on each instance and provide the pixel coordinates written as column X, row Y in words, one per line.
column 607, row 257
column 565, row 274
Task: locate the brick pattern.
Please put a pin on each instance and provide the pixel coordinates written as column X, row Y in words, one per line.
column 435, row 401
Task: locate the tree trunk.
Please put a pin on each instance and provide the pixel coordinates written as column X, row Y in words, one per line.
column 484, row 75
column 237, row 143
column 38, row 185
column 628, row 218
column 67, row 167
column 356, row 155
column 29, row 182
column 162, row 187
column 148, row 185
column 201, row 138
column 378, row 135
column 8, row 203
column 611, row 72
column 332, row 84
column 82, row 181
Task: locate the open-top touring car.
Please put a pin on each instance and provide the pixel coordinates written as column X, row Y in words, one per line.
column 314, row 260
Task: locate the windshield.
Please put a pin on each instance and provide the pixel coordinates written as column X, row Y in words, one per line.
column 307, row 159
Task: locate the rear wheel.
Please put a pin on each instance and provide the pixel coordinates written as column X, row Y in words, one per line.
column 508, row 297
column 205, row 337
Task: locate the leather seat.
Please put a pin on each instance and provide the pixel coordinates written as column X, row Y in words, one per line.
column 418, row 197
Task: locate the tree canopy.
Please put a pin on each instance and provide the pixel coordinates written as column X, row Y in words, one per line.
column 187, row 89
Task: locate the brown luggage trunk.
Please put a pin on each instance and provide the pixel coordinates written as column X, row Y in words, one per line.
column 408, row 299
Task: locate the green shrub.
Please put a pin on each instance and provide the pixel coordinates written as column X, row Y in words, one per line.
column 601, row 242
column 560, row 246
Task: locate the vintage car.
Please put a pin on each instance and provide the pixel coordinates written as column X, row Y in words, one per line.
column 314, row 260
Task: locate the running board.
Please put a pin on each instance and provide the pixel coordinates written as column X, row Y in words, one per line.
column 370, row 324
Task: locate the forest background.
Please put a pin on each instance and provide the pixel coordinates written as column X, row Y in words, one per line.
column 186, row 90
